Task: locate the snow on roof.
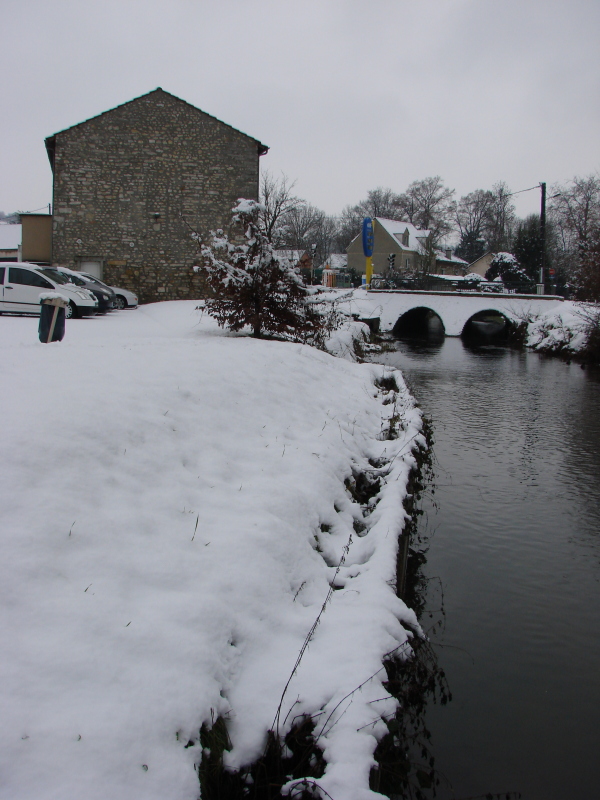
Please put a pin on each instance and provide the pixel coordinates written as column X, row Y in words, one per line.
column 398, row 229
column 449, row 277
column 440, row 255
column 10, row 236
column 337, row 261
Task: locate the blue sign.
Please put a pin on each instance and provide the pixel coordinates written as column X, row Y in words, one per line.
column 367, row 236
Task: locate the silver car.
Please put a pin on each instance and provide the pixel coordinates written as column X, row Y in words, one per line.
column 123, row 297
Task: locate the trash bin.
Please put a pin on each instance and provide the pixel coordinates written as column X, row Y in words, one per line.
column 52, row 317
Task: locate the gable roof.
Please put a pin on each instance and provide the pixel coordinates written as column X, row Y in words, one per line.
column 397, row 230
column 51, row 140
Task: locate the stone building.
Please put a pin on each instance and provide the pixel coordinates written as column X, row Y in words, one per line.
column 132, row 184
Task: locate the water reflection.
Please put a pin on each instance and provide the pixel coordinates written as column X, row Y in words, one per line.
column 515, row 540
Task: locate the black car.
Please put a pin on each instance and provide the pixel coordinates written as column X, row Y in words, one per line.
column 104, row 294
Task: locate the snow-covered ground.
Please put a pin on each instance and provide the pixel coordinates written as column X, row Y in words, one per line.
column 173, row 511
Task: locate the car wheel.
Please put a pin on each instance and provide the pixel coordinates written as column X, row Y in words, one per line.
column 119, row 303
column 70, row 310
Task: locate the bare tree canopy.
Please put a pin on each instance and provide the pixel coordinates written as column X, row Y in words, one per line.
column 277, row 200
column 472, row 214
column 501, row 219
column 576, row 209
column 575, row 215
column 429, row 205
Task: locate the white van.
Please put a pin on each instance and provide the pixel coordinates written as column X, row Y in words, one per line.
column 21, row 286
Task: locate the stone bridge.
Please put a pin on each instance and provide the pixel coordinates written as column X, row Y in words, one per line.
column 454, row 309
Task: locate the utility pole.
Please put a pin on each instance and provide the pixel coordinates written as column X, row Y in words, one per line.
column 543, row 234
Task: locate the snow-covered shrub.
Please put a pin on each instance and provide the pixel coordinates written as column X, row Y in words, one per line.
column 251, row 286
column 572, row 329
column 474, row 276
column 506, row 267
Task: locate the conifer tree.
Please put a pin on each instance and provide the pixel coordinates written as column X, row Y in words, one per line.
column 251, row 286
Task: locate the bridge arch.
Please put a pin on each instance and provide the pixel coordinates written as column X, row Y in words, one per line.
column 419, row 321
column 488, row 325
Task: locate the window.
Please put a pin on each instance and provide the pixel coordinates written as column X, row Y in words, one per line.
column 55, row 275
column 25, row 277
column 2, row 274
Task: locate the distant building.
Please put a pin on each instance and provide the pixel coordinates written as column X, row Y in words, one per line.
column 10, row 242
column 335, row 272
column 408, row 246
column 446, row 263
column 37, row 238
column 481, row 265
column 132, row 184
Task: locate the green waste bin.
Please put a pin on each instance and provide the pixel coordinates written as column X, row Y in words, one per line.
column 52, row 317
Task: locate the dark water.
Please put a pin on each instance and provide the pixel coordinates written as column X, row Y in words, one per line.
column 514, row 530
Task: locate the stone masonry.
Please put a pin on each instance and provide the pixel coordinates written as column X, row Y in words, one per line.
column 133, row 184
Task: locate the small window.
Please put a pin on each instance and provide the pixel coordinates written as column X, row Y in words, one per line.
column 2, row 269
column 25, row 277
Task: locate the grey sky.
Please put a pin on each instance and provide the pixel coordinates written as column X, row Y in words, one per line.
column 348, row 95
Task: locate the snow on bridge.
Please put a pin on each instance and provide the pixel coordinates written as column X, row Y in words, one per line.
column 453, row 308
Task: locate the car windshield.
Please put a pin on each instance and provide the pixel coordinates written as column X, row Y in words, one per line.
column 72, row 278
column 55, row 275
column 92, row 279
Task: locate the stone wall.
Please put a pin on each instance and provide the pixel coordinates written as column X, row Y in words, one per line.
column 132, row 184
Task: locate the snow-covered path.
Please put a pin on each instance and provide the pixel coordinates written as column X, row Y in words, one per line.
column 172, row 512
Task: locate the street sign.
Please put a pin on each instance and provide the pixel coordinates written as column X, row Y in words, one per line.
column 367, row 237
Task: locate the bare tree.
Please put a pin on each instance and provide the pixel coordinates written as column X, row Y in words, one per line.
column 501, row 219
column 575, row 214
column 348, row 226
column 429, row 205
column 277, row 200
column 471, row 215
column 381, row 203
column 576, row 210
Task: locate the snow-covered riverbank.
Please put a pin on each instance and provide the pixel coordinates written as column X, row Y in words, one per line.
column 565, row 330
column 175, row 505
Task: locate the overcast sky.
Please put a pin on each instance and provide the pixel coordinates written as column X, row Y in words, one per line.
column 348, row 95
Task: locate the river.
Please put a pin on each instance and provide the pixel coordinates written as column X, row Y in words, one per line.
column 513, row 520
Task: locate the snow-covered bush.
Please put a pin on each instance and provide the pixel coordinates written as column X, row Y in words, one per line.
column 251, row 286
column 572, row 329
column 474, row 276
column 506, row 267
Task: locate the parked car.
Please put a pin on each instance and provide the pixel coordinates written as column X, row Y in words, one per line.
column 123, row 297
column 21, row 285
column 104, row 294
